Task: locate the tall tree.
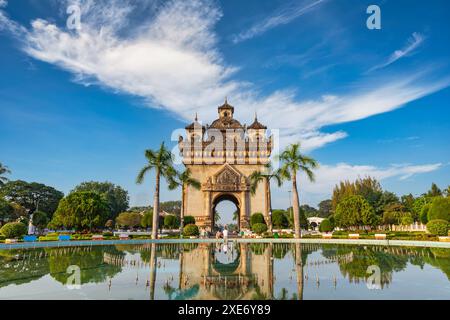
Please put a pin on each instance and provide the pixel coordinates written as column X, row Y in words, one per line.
column 3, row 171
column 115, row 196
column 434, row 191
column 129, row 219
column 183, row 180
column 325, row 208
column 386, row 199
column 368, row 187
column 6, row 211
column 355, row 211
column 32, row 196
column 81, row 210
column 294, row 162
column 309, row 211
column 267, row 176
column 161, row 161
column 408, row 202
column 302, row 217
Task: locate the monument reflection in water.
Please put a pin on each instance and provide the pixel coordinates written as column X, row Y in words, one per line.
column 235, row 271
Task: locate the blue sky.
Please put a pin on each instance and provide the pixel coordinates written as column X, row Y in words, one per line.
column 79, row 105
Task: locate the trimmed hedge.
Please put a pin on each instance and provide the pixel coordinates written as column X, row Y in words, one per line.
column 188, row 220
column 14, row 230
column 438, row 227
column 440, row 209
column 259, row 228
column 326, row 226
column 191, row 230
column 279, row 219
column 257, row 218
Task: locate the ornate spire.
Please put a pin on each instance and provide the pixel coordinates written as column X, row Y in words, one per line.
column 256, row 125
column 195, row 124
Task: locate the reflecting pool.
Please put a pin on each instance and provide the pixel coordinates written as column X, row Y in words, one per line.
column 235, row 271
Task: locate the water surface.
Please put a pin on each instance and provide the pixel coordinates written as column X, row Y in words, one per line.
column 236, row 271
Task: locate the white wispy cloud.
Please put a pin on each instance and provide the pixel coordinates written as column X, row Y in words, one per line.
column 414, row 42
column 282, row 16
column 328, row 176
column 3, row 3
column 171, row 60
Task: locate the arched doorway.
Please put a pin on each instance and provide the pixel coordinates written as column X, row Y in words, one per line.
column 229, row 202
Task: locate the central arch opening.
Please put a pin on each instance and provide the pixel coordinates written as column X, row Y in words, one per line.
column 226, row 211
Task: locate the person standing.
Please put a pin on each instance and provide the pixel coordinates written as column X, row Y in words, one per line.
column 225, row 234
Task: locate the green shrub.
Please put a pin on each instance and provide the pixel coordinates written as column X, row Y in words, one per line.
column 171, row 221
column 407, row 220
column 14, row 230
column 147, row 219
column 191, row 230
column 47, row 238
column 424, row 213
column 340, row 233
column 259, row 228
column 2, row 237
column 129, row 219
column 286, row 236
column 440, row 209
column 78, row 236
column 438, row 227
column 189, row 220
column 40, row 219
column 279, row 219
column 311, row 236
column 326, row 226
column 257, row 218
column 52, row 234
column 108, row 234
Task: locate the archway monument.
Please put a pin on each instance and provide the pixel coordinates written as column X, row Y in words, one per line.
column 222, row 156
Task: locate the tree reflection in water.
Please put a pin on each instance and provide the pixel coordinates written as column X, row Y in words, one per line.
column 90, row 260
column 207, row 271
column 22, row 266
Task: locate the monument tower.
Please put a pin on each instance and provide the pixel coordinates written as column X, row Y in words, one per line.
column 222, row 156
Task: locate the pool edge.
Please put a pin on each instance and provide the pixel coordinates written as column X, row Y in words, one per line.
column 53, row 244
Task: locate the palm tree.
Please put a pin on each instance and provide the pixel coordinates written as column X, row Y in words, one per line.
column 257, row 176
column 294, row 162
column 3, row 170
column 162, row 162
column 183, row 180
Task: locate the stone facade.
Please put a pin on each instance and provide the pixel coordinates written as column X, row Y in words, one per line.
column 222, row 157
column 235, row 280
